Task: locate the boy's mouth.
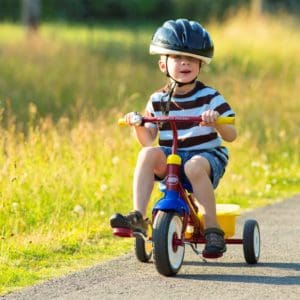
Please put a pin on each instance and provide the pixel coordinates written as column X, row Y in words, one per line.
column 185, row 71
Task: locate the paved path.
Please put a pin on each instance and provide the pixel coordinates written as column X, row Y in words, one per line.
column 277, row 276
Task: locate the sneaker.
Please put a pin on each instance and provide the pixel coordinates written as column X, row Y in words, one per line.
column 215, row 243
column 134, row 221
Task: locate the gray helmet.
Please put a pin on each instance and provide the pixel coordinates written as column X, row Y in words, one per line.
column 183, row 37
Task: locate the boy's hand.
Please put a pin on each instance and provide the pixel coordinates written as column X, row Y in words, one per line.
column 209, row 118
column 133, row 119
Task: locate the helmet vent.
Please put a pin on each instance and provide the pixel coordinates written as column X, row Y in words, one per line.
column 183, row 38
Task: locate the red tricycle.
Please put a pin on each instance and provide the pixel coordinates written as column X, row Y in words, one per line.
column 176, row 221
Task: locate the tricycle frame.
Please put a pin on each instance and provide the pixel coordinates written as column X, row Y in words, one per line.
column 179, row 203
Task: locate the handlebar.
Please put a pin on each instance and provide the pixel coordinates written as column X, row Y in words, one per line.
column 179, row 119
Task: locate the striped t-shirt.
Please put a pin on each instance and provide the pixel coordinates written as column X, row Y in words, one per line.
column 191, row 136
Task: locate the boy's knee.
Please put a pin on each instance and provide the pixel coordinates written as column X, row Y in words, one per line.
column 146, row 152
column 197, row 168
column 149, row 154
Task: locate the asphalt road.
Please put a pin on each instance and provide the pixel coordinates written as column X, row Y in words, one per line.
column 276, row 276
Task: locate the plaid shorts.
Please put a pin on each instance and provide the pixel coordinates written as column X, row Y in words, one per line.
column 217, row 165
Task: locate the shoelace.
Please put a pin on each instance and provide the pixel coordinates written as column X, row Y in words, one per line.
column 214, row 239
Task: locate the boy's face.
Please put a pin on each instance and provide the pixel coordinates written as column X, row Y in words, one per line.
column 181, row 68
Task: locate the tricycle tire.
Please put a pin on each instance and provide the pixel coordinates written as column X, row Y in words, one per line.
column 251, row 241
column 143, row 249
column 167, row 233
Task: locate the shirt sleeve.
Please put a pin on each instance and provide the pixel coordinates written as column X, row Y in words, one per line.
column 220, row 105
column 149, row 112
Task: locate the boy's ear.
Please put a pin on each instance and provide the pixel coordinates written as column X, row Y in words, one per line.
column 162, row 65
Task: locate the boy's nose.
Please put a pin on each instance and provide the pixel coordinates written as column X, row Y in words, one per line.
column 184, row 61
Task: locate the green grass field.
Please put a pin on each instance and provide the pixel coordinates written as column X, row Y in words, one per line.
column 66, row 166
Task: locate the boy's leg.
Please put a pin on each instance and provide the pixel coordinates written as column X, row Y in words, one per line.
column 197, row 169
column 151, row 161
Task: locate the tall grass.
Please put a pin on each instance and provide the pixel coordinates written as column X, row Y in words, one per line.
column 65, row 165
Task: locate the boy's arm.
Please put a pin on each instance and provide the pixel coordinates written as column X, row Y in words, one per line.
column 227, row 132
column 145, row 134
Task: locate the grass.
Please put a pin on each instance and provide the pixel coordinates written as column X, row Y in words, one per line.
column 65, row 165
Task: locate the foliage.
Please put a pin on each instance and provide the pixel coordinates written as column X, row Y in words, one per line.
column 66, row 167
column 93, row 11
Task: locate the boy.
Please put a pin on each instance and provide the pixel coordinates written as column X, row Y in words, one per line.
column 183, row 46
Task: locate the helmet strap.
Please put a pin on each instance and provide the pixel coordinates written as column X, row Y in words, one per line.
column 165, row 105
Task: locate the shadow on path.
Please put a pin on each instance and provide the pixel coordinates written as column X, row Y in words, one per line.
column 274, row 265
column 242, row 278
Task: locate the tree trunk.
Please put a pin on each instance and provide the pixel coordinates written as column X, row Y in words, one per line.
column 257, row 7
column 31, row 14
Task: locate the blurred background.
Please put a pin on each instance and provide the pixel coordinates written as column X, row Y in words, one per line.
column 70, row 68
column 96, row 10
column 120, row 31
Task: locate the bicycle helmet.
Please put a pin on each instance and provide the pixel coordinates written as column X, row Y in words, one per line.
column 183, row 37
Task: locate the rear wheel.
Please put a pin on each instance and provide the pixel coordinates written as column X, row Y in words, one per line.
column 251, row 241
column 143, row 249
column 168, row 247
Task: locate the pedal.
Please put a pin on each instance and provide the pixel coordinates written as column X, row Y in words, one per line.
column 122, row 232
column 212, row 256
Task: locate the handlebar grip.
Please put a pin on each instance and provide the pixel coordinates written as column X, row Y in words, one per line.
column 122, row 122
column 226, row 120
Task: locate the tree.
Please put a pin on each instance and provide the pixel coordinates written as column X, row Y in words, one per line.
column 31, row 14
column 257, row 7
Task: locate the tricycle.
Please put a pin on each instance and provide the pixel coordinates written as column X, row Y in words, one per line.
column 176, row 221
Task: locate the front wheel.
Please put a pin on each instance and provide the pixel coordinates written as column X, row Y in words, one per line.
column 168, row 247
column 251, row 241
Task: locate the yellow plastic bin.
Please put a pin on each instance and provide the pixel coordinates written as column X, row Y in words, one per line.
column 226, row 214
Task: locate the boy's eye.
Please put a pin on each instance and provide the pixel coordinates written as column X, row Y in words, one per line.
column 177, row 57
